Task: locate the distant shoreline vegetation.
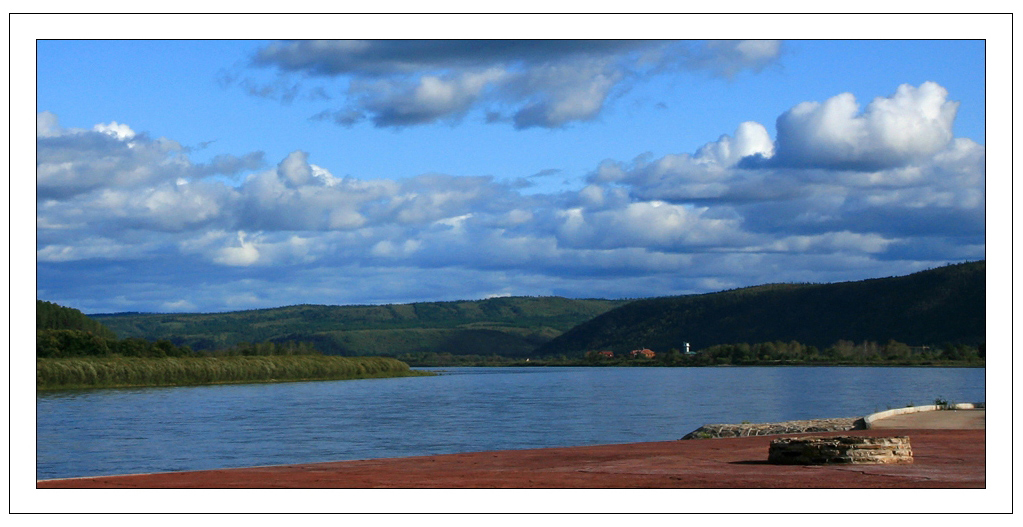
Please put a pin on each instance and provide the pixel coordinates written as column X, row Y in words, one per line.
column 123, row 372
column 75, row 352
column 842, row 353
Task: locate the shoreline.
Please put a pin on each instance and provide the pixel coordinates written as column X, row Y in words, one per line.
column 539, row 363
column 107, row 372
column 948, row 447
column 220, row 383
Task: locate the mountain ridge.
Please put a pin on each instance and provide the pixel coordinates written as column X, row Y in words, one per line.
column 930, row 307
column 510, row 326
column 934, row 306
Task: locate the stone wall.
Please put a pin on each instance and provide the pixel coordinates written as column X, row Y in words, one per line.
column 840, row 450
column 787, row 427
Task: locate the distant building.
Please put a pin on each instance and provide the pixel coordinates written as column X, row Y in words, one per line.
column 644, row 353
column 601, row 354
column 687, row 352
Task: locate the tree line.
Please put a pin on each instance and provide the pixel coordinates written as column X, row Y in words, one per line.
column 946, row 304
column 66, row 343
column 63, row 332
column 54, row 316
column 843, row 352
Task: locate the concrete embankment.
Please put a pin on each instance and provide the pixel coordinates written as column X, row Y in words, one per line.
column 915, row 415
column 957, row 416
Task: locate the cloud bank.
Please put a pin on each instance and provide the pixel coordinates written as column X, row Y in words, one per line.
column 840, row 192
column 528, row 83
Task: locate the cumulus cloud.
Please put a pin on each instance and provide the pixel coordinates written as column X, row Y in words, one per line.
column 910, row 126
column 113, row 156
column 122, row 132
column 750, row 139
column 741, row 209
column 529, row 83
column 245, row 253
column 648, row 224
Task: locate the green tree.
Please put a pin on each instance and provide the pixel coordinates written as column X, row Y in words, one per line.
column 895, row 351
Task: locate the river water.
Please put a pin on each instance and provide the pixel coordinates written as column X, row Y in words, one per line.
column 122, row 431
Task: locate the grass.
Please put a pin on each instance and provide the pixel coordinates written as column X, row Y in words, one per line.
column 111, row 372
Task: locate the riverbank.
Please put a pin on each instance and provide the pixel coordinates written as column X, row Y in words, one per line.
column 689, row 362
column 123, row 372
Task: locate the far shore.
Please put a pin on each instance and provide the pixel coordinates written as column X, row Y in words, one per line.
column 135, row 372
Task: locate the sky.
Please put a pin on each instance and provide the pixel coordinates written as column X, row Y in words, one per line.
column 219, row 175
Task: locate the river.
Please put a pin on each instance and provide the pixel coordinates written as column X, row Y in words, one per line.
column 122, row 431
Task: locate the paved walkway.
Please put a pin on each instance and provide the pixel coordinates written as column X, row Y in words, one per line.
column 936, row 420
column 942, row 459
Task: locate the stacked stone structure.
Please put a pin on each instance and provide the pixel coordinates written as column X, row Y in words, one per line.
column 840, row 450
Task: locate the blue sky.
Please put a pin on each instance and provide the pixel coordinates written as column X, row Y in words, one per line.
column 223, row 175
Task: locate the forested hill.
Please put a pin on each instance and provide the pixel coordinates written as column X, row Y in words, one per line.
column 50, row 316
column 510, row 326
column 933, row 307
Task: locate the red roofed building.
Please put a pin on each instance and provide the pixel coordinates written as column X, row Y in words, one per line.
column 645, row 353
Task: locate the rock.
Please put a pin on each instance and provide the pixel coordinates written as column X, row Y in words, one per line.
column 786, row 427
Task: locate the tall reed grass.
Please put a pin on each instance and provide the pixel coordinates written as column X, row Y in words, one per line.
column 107, row 372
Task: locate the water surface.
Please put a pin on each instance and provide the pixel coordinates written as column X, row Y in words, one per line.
column 121, row 431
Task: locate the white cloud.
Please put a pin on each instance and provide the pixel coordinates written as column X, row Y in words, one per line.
column 121, row 131
column 833, row 169
column 91, row 246
column 244, row 254
column 295, row 170
column 71, row 162
column 828, row 243
column 653, row 224
column 245, row 249
column 910, row 126
column 751, row 138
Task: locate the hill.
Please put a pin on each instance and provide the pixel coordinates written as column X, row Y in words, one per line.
column 937, row 306
column 50, row 316
column 510, row 326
